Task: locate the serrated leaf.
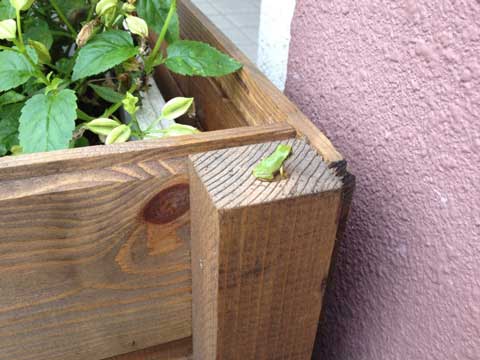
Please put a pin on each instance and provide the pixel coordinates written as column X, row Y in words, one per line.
column 194, row 58
column 107, row 94
column 155, row 12
column 48, row 121
column 11, row 97
column 176, row 107
column 15, row 70
column 38, row 30
column 7, row 11
column 104, row 52
column 9, row 116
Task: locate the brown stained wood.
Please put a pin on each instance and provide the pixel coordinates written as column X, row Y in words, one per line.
column 94, row 247
column 260, row 252
column 244, row 98
column 84, row 275
column 177, row 350
column 96, row 157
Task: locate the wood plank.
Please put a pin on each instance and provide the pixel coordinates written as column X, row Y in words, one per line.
column 94, row 157
column 261, row 252
column 95, row 263
column 246, row 97
column 177, row 350
column 94, row 247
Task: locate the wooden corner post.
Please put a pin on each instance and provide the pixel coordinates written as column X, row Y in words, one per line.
column 260, row 252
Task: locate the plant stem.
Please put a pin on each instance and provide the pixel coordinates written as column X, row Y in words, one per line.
column 22, row 50
column 20, row 35
column 134, row 122
column 118, row 105
column 161, row 37
column 83, row 116
column 63, row 17
column 93, row 4
column 38, row 72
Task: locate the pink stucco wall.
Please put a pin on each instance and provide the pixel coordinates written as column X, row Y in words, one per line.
column 396, row 86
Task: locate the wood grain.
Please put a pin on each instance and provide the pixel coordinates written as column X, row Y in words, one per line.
column 260, row 252
column 176, row 350
column 94, row 157
column 244, row 98
column 95, row 242
column 94, row 247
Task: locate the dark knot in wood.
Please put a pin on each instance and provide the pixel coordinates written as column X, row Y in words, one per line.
column 168, row 205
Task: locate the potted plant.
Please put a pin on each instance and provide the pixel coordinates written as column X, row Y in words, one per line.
column 67, row 68
column 95, row 241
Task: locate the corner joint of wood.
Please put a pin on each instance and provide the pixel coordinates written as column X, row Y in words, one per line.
column 261, row 251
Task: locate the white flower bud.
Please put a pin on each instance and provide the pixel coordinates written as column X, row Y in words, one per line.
column 176, row 107
column 128, row 8
column 21, row 4
column 118, row 135
column 137, row 26
column 102, row 126
column 8, row 29
column 104, row 6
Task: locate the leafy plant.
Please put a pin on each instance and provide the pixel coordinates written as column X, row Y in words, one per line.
column 66, row 68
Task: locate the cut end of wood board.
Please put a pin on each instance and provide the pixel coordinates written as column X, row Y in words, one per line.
column 261, row 252
column 230, row 182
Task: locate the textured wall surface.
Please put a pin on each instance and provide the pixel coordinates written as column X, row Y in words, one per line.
column 396, row 85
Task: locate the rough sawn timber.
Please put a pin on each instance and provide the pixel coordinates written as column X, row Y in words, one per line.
column 94, row 246
column 261, row 252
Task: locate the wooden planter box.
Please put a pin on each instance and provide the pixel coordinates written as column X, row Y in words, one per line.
column 97, row 251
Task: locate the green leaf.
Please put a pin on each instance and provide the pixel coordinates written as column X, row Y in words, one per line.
column 107, row 94
column 11, row 97
column 65, row 65
column 81, row 142
column 103, row 52
column 15, row 70
column 9, row 116
column 192, row 58
column 38, row 30
column 7, row 11
column 155, row 12
column 48, row 121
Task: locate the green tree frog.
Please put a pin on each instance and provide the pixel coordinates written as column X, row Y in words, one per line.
column 269, row 167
